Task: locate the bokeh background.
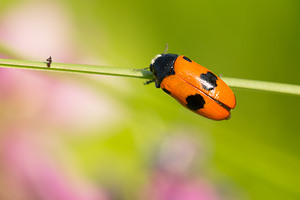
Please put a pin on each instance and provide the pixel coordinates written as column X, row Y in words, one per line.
column 73, row 136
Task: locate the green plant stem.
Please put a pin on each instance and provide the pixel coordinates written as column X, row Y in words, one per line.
column 66, row 67
column 144, row 74
column 263, row 85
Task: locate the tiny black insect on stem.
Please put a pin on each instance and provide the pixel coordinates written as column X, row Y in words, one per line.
column 49, row 61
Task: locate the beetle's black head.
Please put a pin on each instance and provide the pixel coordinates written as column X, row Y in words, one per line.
column 162, row 66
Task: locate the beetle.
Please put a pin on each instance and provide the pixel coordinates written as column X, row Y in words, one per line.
column 193, row 86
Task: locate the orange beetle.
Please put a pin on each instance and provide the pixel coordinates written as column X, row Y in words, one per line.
column 192, row 85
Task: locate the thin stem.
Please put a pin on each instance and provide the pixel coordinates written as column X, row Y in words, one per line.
column 263, row 85
column 66, row 67
column 144, row 74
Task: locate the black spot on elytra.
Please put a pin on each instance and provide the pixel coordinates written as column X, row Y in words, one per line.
column 208, row 81
column 195, row 102
column 187, row 59
column 166, row 91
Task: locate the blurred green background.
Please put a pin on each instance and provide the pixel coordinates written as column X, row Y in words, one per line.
column 254, row 155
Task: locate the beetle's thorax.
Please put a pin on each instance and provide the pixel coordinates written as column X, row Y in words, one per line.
column 162, row 65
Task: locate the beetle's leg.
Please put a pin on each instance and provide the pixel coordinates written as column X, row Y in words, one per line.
column 149, row 81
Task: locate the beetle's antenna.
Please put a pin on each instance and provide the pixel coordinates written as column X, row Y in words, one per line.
column 166, row 49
